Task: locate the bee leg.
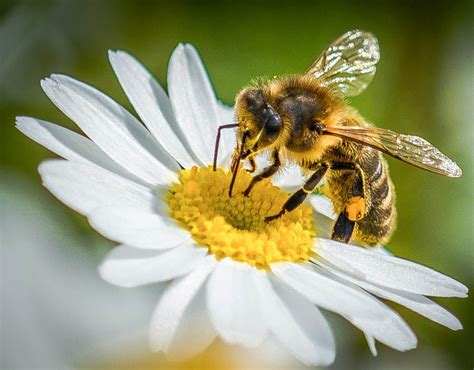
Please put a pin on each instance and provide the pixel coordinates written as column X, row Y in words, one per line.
column 355, row 208
column 356, row 205
column 267, row 172
column 342, row 230
column 299, row 196
column 253, row 165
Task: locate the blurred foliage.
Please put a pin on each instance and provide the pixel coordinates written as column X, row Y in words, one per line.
column 423, row 86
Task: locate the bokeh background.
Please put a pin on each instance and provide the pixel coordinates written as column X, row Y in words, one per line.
column 423, row 86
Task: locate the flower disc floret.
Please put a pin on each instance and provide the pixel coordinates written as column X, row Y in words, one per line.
column 234, row 226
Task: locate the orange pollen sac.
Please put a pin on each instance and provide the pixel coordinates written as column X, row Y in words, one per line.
column 234, row 226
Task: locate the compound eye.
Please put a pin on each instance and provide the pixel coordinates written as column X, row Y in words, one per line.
column 272, row 121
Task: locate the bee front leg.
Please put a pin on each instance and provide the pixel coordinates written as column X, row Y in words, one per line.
column 299, row 196
column 267, row 171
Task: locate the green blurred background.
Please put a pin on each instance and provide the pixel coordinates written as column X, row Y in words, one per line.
column 423, row 86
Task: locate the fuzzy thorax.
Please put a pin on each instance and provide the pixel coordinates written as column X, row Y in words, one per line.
column 234, row 227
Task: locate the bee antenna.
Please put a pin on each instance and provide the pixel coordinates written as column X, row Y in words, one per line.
column 218, row 138
column 237, row 163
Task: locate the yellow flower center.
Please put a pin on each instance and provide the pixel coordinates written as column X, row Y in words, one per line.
column 234, row 226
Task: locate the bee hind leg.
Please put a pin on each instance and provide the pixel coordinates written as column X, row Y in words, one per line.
column 356, row 205
column 354, row 210
column 343, row 228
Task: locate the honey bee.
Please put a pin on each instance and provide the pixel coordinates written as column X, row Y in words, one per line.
column 305, row 119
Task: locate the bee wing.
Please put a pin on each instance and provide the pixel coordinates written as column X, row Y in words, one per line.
column 407, row 148
column 348, row 63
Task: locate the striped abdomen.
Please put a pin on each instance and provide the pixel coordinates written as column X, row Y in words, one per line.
column 380, row 220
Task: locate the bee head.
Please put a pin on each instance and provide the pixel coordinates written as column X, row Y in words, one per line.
column 258, row 121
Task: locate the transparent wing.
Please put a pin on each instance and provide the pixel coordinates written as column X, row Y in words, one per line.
column 407, row 148
column 348, row 63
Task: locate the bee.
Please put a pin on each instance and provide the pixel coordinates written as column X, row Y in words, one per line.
column 306, row 119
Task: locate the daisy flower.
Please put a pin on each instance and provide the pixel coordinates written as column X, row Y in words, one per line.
column 150, row 188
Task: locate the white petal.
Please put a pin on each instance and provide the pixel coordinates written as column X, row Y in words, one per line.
column 296, row 323
column 323, row 205
column 84, row 187
column 390, row 271
column 326, row 292
column 174, row 305
column 415, row 302
column 226, row 112
column 226, row 116
column 152, row 105
column 371, row 343
column 323, row 225
column 195, row 332
column 262, row 161
column 130, row 267
column 360, row 308
column 393, row 331
column 289, row 178
column 381, row 249
column 193, row 101
column 138, row 228
column 322, row 222
column 113, row 128
column 69, row 144
column 233, row 304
